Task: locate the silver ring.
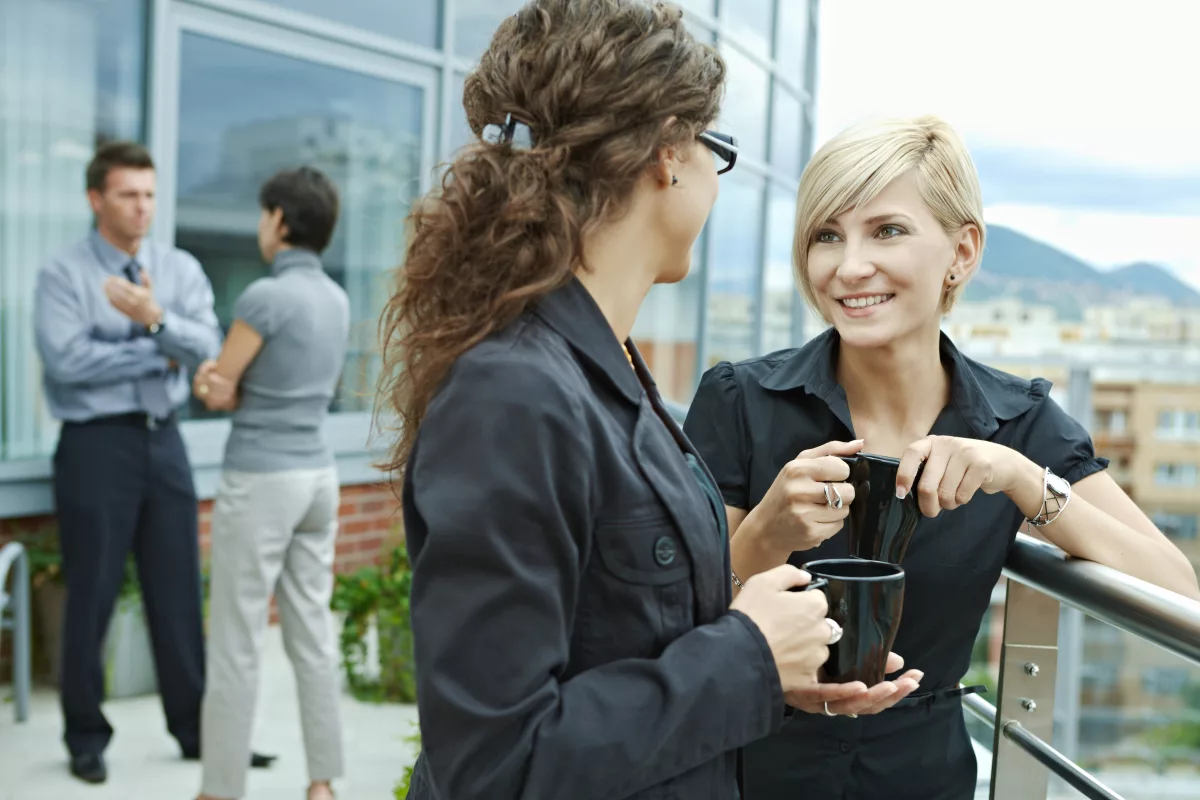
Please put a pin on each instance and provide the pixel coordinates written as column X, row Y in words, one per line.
column 835, row 631
column 828, row 713
column 833, row 498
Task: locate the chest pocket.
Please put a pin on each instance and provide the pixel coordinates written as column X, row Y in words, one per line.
column 638, row 595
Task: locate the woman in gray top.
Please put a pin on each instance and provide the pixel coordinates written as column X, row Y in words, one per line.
column 275, row 517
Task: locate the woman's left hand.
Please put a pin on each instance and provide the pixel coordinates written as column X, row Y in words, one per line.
column 852, row 699
column 955, row 469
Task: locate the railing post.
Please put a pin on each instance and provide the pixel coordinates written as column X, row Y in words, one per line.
column 22, row 641
column 1025, row 693
column 14, row 558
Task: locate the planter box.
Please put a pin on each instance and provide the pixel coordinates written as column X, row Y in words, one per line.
column 128, row 656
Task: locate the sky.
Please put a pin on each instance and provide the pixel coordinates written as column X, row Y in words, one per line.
column 1081, row 115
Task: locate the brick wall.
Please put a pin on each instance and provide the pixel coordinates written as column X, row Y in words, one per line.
column 369, row 517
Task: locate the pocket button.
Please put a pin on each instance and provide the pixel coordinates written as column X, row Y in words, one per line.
column 664, row 551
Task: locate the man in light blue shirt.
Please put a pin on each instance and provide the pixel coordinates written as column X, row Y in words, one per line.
column 119, row 322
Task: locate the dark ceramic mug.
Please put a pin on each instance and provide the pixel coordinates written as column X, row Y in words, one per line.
column 880, row 525
column 867, row 599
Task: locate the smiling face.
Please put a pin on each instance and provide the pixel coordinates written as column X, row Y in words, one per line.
column 880, row 272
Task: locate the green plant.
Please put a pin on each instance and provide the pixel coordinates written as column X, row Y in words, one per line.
column 401, row 790
column 379, row 595
column 45, row 563
column 45, row 560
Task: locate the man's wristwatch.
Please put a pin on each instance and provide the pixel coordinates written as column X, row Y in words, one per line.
column 154, row 327
column 1056, row 493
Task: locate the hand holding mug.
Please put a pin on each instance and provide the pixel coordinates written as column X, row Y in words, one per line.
column 809, row 500
column 954, row 470
column 854, row 698
column 792, row 622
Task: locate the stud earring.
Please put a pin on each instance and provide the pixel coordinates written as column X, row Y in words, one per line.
column 953, row 277
column 674, row 180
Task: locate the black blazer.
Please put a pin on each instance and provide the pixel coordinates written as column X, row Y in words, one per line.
column 571, row 586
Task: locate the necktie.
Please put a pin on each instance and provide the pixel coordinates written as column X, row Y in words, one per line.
column 152, row 388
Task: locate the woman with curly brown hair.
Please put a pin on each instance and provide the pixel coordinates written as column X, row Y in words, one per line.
column 571, row 602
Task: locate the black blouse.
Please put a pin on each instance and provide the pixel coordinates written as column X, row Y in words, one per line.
column 748, row 420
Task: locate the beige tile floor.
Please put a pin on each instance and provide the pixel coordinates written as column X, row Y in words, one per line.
column 143, row 761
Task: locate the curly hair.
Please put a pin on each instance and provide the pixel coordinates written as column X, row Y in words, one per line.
column 603, row 85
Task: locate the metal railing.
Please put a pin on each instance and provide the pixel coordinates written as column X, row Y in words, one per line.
column 1041, row 579
column 14, row 616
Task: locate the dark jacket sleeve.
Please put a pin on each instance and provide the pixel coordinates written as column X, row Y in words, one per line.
column 1051, row 437
column 716, row 426
column 502, row 482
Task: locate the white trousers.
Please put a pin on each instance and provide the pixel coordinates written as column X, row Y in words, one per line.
column 272, row 532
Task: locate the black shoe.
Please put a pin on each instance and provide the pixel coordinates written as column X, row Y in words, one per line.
column 89, row 768
column 257, row 760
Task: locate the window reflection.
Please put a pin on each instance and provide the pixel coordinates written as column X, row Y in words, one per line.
column 417, row 21
column 72, row 76
column 791, row 39
column 703, row 6
column 475, row 21
column 780, row 296
column 245, row 114
column 735, row 264
column 460, row 131
column 750, row 21
column 665, row 334
column 744, row 113
column 787, row 132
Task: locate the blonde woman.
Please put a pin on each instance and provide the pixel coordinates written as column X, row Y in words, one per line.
column 889, row 230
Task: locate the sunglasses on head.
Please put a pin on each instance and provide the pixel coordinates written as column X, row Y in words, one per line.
column 723, row 146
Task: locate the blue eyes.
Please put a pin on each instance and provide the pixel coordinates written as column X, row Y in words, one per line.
column 884, row 232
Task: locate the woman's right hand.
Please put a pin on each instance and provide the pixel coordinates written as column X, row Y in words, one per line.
column 793, row 623
column 794, row 513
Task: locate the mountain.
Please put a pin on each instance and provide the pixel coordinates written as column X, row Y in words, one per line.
column 1153, row 279
column 1015, row 265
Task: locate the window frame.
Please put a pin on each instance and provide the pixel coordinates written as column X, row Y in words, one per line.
column 25, row 484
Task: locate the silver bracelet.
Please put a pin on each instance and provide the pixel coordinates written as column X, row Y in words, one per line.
column 736, row 582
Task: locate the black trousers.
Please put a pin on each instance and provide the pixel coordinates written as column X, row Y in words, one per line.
column 124, row 486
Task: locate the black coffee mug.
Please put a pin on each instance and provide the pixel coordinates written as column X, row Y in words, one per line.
column 880, row 525
column 866, row 598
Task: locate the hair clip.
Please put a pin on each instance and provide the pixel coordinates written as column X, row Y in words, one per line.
column 513, row 132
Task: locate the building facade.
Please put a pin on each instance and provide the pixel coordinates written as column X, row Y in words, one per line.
column 225, row 92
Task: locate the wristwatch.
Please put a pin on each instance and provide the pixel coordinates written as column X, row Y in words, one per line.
column 154, row 327
column 1056, row 493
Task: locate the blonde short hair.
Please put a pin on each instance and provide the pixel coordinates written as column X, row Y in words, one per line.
column 852, row 168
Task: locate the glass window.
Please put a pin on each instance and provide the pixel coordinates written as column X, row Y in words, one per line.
column 734, row 267
column 417, row 21
column 475, row 21
column 1166, row 422
column 787, row 133
column 245, row 114
column 703, row 6
column 1176, row 526
column 780, row 302
column 750, row 21
column 791, row 39
column 72, row 76
column 665, row 334
column 744, row 112
column 460, row 131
